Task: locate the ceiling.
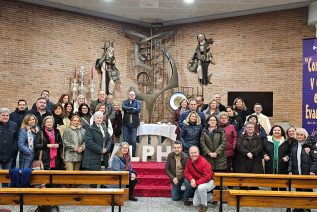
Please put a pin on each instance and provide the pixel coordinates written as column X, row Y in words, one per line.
column 148, row 13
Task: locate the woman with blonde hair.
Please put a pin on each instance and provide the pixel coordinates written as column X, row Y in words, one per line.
column 26, row 139
column 240, row 107
column 122, row 162
column 79, row 101
column 73, row 142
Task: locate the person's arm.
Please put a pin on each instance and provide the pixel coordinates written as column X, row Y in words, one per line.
column 40, row 142
column 207, row 174
column 167, row 166
column 257, row 151
column 187, row 173
column 240, row 147
column 23, row 143
column 125, row 107
column 204, row 148
column 115, row 164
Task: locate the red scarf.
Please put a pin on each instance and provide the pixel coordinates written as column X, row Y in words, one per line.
column 53, row 151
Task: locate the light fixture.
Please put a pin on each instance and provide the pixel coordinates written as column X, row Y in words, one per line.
column 188, row 1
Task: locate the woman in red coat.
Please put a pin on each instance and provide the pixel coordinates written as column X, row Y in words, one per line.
column 231, row 138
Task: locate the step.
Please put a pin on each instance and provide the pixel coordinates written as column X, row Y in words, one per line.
column 153, row 180
column 146, row 168
column 152, row 191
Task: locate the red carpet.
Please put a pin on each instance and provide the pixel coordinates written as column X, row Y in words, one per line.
column 153, row 182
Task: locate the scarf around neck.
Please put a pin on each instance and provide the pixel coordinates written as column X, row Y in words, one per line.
column 53, row 151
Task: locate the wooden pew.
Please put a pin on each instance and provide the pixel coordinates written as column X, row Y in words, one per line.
column 259, row 180
column 64, row 196
column 275, row 199
column 118, row 178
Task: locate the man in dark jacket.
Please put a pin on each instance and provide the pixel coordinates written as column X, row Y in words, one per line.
column 8, row 136
column 19, row 113
column 40, row 110
column 174, row 168
column 102, row 98
column 17, row 117
column 131, row 120
column 49, row 104
column 199, row 178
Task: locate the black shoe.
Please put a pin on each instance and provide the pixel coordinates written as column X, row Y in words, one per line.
column 133, row 198
column 187, row 203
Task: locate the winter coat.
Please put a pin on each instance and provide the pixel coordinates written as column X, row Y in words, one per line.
column 236, row 121
column 118, row 164
column 207, row 113
column 18, row 116
column 308, row 161
column 73, row 138
column 94, row 143
column 243, row 114
column 190, row 133
column 41, row 142
column 27, row 153
column 283, row 150
column 200, row 170
column 245, row 145
column 231, row 139
column 131, row 117
column 170, row 165
column 259, row 130
column 8, row 144
column 85, row 121
column 214, row 141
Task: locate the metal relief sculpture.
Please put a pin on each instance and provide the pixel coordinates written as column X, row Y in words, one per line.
column 143, row 59
column 201, row 59
column 106, row 65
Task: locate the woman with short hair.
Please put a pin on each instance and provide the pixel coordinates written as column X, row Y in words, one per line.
column 249, row 150
column 49, row 141
column 122, row 162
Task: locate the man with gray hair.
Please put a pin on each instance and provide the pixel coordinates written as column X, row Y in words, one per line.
column 199, row 179
column 8, row 137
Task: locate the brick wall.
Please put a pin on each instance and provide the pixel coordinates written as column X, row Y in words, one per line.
column 40, row 47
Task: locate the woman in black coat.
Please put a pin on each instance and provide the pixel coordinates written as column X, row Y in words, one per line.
column 49, row 142
column 276, row 151
column 249, row 150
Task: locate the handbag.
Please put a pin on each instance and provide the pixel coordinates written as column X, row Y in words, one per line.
column 38, row 164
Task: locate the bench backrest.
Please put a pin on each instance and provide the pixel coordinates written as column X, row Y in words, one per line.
column 65, row 196
column 266, row 180
column 73, row 177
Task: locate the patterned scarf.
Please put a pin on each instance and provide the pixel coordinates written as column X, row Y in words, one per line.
column 127, row 159
column 53, row 151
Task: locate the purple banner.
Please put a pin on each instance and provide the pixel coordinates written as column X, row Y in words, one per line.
column 309, row 114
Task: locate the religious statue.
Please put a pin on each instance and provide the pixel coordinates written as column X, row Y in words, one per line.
column 106, row 64
column 200, row 60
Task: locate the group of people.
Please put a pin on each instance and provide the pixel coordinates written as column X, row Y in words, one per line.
column 63, row 139
column 215, row 138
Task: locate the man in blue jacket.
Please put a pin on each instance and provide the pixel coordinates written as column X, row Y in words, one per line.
column 8, row 135
column 131, row 120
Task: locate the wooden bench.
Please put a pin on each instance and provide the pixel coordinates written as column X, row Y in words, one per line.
column 118, row 178
column 65, row 196
column 275, row 199
column 259, row 180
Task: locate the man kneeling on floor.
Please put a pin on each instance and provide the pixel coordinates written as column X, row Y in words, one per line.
column 199, row 179
column 174, row 168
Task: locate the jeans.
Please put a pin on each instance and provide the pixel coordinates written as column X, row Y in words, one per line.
column 200, row 197
column 189, row 191
column 5, row 165
column 177, row 193
column 129, row 135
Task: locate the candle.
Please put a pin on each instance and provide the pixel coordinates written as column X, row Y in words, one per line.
column 75, row 74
